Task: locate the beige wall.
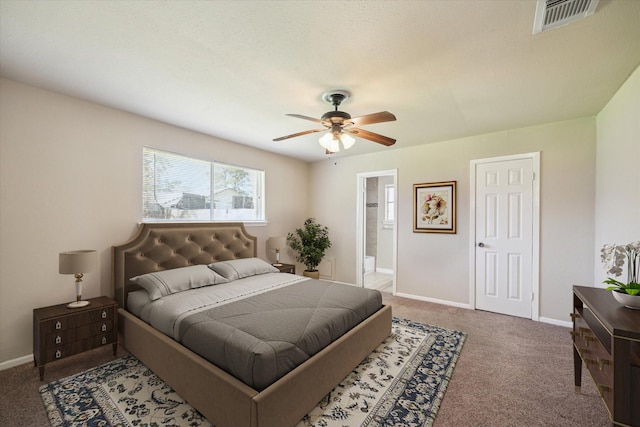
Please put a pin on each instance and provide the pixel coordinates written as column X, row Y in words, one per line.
column 436, row 266
column 70, row 178
column 617, row 207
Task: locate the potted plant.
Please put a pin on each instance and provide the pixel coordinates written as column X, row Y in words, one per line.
column 613, row 257
column 310, row 243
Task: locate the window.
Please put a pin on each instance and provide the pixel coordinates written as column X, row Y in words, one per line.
column 389, row 204
column 180, row 188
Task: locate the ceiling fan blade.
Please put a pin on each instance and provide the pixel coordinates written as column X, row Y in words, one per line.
column 293, row 135
column 380, row 139
column 369, row 119
column 305, row 117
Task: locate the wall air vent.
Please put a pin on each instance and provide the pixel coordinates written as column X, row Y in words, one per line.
column 556, row 13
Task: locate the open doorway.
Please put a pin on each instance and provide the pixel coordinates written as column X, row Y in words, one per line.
column 377, row 230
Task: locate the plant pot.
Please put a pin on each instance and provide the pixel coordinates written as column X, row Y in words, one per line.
column 315, row 274
column 629, row 301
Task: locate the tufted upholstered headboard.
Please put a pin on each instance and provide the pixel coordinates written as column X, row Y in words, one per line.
column 163, row 246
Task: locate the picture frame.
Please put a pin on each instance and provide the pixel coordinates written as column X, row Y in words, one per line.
column 434, row 207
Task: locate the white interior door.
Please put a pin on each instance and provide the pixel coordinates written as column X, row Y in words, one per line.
column 504, row 236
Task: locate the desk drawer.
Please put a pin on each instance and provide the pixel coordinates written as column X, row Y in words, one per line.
column 595, row 356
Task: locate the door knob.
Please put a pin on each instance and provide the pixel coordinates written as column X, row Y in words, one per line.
column 481, row 245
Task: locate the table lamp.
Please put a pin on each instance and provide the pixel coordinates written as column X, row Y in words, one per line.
column 276, row 244
column 78, row 263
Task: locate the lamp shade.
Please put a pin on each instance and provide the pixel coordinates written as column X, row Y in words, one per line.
column 74, row 262
column 274, row 246
column 274, row 243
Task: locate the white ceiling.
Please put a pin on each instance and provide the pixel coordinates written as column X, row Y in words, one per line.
column 232, row 69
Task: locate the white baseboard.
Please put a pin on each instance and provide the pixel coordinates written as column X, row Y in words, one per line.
column 556, row 322
column 467, row 306
column 434, row 300
column 16, row 362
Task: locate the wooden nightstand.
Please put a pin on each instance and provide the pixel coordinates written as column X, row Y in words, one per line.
column 59, row 332
column 286, row 268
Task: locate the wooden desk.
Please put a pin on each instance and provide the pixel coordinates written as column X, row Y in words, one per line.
column 606, row 337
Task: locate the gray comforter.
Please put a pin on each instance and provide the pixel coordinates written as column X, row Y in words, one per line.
column 261, row 338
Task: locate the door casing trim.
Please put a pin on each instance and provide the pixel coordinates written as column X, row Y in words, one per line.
column 360, row 200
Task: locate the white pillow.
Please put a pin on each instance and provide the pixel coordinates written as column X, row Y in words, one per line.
column 235, row 269
column 167, row 282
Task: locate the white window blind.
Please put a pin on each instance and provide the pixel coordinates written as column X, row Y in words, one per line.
column 180, row 188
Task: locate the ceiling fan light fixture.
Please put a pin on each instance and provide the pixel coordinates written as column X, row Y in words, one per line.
column 347, row 141
column 334, row 147
column 331, row 141
column 339, row 125
column 326, row 140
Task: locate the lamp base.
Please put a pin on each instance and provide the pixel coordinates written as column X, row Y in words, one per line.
column 78, row 304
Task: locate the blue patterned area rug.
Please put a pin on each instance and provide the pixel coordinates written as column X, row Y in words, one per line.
column 401, row 383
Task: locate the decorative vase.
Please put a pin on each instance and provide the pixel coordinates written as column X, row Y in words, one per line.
column 629, row 301
column 315, row 274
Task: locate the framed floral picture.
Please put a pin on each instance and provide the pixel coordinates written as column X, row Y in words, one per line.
column 434, row 207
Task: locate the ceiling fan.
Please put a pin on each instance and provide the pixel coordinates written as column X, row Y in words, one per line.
column 340, row 125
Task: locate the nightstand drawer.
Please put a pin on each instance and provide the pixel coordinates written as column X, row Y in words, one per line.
column 74, row 320
column 60, row 338
column 286, row 268
column 56, row 353
column 61, row 351
column 77, row 333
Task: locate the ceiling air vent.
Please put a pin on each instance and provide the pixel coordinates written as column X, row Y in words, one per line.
column 556, row 13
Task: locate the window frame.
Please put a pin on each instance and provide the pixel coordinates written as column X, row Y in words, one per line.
column 389, row 205
column 257, row 190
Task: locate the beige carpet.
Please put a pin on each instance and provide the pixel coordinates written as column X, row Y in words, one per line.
column 511, row 372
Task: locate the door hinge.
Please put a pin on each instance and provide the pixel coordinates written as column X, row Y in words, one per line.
column 532, row 297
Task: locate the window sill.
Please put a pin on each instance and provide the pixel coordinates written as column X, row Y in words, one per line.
column 199, row 221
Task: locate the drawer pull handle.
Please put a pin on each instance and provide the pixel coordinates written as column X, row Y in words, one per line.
column 58, row 354
column 584, row 331
column 574, row 316
column 58, row 339
column 58, row 325
column 104, row 314
column 602, row 362
column 583, row 351
column 588, row 360
column 602, row 388
column 104, row 340
column 104, row 327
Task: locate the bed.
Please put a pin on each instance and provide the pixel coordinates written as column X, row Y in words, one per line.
column 222, row 398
